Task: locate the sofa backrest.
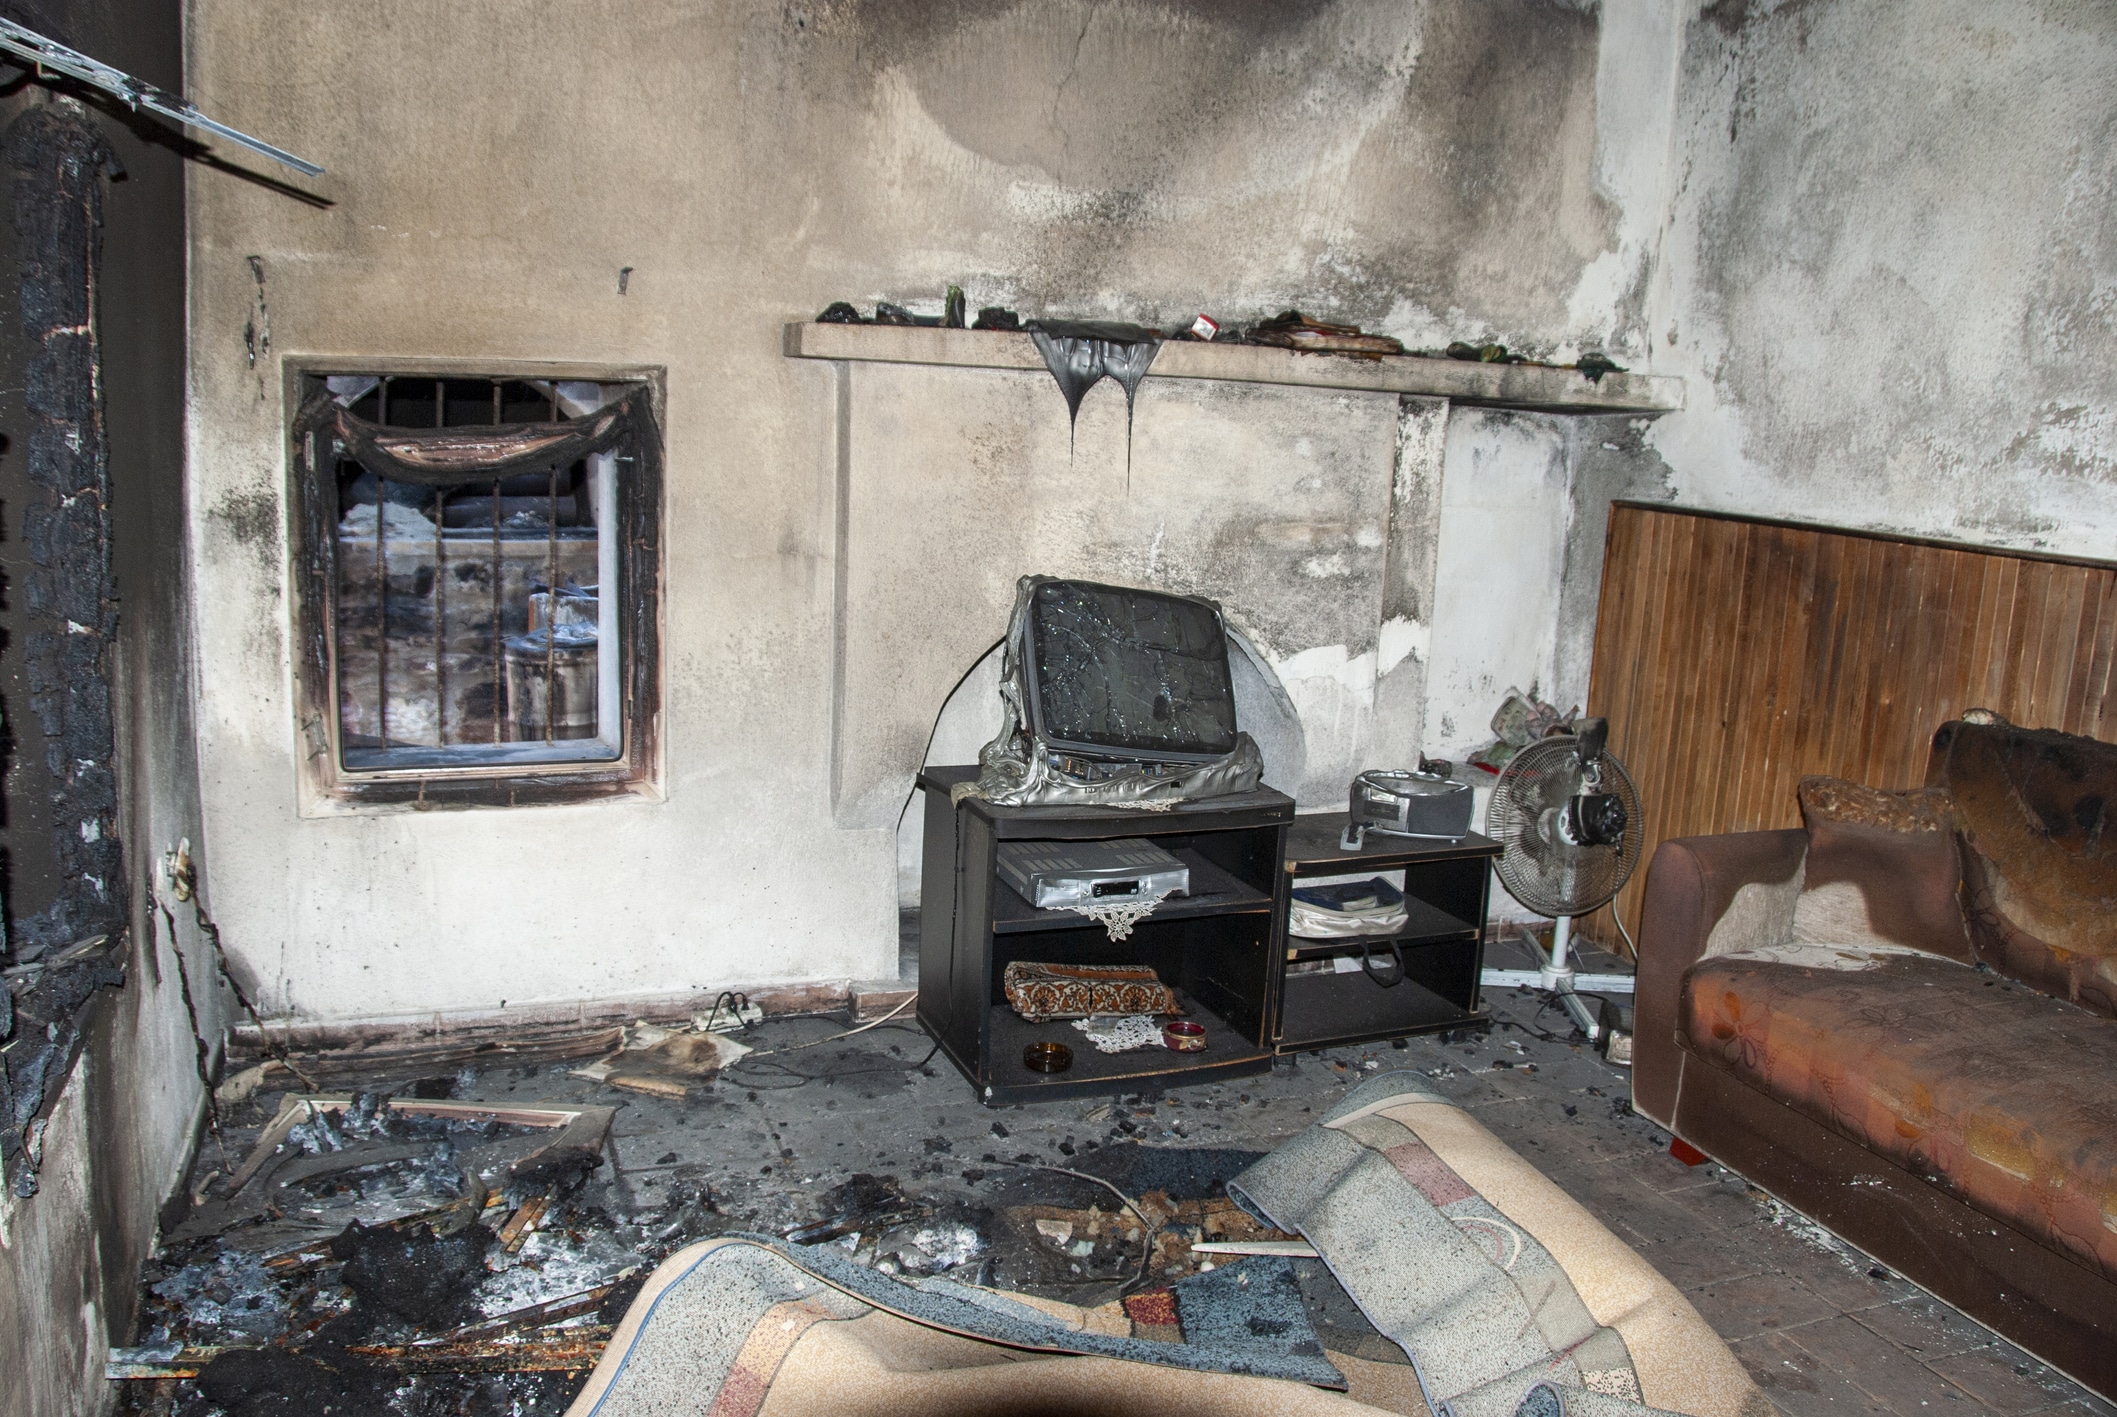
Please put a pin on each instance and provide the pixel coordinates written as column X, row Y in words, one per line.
column 2036, row 812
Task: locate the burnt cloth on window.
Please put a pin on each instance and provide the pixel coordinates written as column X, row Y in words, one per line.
column 480, row 453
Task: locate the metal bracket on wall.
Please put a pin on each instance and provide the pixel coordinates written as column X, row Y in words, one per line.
column 137, row 94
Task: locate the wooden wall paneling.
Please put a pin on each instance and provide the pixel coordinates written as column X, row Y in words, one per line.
column 1793, row 654
column 1994, row 610
column 1956, row 619
column 2082, row 695
column 2030, row 595
column 1735, row 657
column 2095, row 704
column 1738, row 696
column 2063, row 646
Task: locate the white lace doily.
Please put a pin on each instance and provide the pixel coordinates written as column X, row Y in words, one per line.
column 1121, row 1033
column 1119, row 916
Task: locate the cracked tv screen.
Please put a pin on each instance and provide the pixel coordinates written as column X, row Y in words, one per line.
column 1128, row 671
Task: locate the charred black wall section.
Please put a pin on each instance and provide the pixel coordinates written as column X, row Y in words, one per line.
column 91, row 411
column 73, row 884
column 99, row 766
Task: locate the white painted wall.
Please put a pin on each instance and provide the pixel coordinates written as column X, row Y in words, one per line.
column 1876, row 240
column 1504, row 516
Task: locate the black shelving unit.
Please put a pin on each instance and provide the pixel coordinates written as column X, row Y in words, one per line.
column 1423, row 978
column 1216, row 947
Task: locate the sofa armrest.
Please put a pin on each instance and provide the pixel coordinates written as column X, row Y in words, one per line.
column 1696, row 904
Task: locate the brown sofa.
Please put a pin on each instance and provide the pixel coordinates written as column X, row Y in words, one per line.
column 1902, row 1021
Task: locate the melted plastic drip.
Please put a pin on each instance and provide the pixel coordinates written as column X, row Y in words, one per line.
column 1077, row 364
column 1080, row 353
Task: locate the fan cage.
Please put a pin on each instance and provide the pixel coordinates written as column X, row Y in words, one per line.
column 1538, row 867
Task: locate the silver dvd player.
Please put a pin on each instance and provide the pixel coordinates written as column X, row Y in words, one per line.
column 1055, row 874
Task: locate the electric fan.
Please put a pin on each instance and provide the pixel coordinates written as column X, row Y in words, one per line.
column 1568, row 817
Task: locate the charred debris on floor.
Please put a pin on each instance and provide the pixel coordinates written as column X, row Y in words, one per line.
column 458, row 1228
column 376, row 1253
column 403, row 1247
column 409, row 1245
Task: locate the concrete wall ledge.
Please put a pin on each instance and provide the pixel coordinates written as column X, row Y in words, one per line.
column 1520, row 386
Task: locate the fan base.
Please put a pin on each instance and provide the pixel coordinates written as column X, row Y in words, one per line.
column 1554, row 975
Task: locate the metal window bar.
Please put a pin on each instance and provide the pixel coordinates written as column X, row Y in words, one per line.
column 440, row 583
column 551, row 587
column 504, row 713
column 382, row 586
column 499, row 667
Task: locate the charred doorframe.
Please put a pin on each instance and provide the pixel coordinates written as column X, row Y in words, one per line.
column 326, row 788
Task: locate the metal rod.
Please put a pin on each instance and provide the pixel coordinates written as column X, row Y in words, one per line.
column 382, row 586
column 440, row 584
column 551, row 588
column 45, row 53
column 499, row 674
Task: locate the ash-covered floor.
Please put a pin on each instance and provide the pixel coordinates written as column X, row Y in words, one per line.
column 873, row 1145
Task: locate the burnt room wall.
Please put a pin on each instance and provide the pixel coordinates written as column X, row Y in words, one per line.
column 108, row 1136
column 1888, row 278
column 1439, row 169
column 1893, row 270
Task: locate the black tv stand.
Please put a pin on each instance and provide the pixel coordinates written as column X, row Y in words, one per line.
column 1434, row 961
column 1215, row 947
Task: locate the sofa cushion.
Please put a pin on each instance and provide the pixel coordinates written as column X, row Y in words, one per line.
column 1882, row 868
column 2037, row 812
column 2005, row 1098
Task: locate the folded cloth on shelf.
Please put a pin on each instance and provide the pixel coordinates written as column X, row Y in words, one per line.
column 1336, row 912
column 1042, row 992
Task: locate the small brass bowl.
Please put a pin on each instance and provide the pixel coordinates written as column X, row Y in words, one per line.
column 1183, row 1036
column 1047, row 1057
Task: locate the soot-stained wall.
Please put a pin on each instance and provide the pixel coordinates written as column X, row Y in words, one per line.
column 1891, row 269
column 1886, row 277
column 66, row 879
column 1434, row 169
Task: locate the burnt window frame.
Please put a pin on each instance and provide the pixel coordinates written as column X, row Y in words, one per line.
column 326, row 785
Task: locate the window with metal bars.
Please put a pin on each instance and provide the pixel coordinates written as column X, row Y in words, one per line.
column 480, row 565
